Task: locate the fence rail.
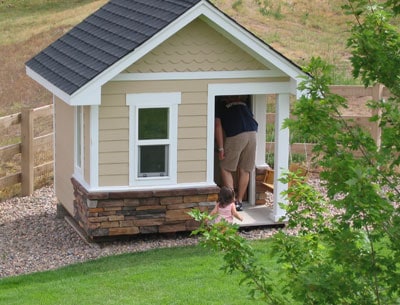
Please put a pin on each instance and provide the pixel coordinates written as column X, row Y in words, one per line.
column 28, row 147
column 30, row 144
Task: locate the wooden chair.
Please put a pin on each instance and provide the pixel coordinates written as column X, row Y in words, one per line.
column 268, row 182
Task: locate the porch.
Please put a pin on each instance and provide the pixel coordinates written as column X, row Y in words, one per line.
column 256, row 216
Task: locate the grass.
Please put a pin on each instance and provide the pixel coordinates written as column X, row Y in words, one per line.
column 182, row 275
column 27, row 27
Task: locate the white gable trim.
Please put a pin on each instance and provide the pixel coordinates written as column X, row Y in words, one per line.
column 197, row 75
column 213, row 17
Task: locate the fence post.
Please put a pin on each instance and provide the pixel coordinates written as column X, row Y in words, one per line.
column 27, row 183
column 377, row 94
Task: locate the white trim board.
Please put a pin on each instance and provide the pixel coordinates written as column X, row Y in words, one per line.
column 197, row 75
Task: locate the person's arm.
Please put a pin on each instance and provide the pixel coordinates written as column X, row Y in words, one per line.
column 219, row 138
column 215, row 210
column 236, row 214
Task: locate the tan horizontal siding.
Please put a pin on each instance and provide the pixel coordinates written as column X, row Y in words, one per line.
column 113, row 146
column 114, row 180
column 113, row 123
column 115, row 168
column 192, row 124
column 113, row 141
column 192, row 144
column 193, row 177
column 192, row 132
column 112, row 157
column 113, row 111
column 114, row 134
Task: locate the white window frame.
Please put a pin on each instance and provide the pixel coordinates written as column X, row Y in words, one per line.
column 79, row 142
column 169, row 100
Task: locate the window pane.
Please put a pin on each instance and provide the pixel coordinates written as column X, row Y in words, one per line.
column 153, row 123
column 153, row 160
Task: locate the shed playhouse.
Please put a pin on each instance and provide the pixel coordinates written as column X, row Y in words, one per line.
column 134, row 90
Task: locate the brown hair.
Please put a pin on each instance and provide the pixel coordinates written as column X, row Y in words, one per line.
column 226, row 196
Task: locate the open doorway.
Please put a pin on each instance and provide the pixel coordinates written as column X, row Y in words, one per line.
column 230, row 101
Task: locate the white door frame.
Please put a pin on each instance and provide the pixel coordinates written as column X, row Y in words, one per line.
column 259, row 92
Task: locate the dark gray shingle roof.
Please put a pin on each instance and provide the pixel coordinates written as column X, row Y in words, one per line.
column 103, row 38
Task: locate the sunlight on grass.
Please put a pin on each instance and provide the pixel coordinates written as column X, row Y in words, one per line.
column 185, row 275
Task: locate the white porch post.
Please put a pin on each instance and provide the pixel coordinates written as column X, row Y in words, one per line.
column 259, row 110
column 281, row 152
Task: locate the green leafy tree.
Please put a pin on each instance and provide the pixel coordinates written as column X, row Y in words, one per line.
column 347, row 249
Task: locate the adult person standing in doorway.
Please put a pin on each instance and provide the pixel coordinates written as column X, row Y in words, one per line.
column 235, row 135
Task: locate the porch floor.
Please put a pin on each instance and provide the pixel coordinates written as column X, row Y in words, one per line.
column 257, row 215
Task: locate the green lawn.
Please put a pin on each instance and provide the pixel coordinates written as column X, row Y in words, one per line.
column 185, row 275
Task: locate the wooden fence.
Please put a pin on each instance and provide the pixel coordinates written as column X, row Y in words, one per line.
column 31, row 142
column 357, row 97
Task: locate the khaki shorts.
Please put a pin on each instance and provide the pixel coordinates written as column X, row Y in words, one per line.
column 240, row 152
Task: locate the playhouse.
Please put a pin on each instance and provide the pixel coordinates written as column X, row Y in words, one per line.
column 134, row 90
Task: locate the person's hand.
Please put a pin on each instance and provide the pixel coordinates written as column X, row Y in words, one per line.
column 221, row 154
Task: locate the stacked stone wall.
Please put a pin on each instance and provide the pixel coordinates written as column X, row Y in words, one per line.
column 107, row 214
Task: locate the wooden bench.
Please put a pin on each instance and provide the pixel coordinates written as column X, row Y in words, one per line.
column 268, row 182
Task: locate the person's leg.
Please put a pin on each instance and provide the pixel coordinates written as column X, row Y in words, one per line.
column 243, row 182
column 246, row 163
column 227, row 178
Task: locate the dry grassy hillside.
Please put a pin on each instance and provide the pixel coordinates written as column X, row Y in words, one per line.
column 298, row 29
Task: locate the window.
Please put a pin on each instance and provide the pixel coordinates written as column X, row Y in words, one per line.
column 153, row 138
column 153, row 142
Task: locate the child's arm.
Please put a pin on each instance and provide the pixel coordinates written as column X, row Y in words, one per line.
column 215, row 210
column 236, row 214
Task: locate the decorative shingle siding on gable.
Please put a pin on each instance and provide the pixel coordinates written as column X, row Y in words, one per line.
column 103, row 38
column 197, row 47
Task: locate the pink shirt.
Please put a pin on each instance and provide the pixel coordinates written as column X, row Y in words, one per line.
column 225, row 213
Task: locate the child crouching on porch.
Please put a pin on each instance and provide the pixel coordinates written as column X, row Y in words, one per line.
column 225, row 207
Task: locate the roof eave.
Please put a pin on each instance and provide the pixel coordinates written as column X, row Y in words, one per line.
column 90, row 93
column 84, row 97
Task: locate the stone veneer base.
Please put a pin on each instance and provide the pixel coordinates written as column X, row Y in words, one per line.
column 108, row 214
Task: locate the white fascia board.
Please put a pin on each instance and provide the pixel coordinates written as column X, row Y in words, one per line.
column 80, row 98
column 46, row 84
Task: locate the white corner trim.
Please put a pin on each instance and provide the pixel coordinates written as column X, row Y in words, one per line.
column 94, row 146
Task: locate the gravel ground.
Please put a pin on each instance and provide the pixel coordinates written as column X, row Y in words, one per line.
column 32, row 238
